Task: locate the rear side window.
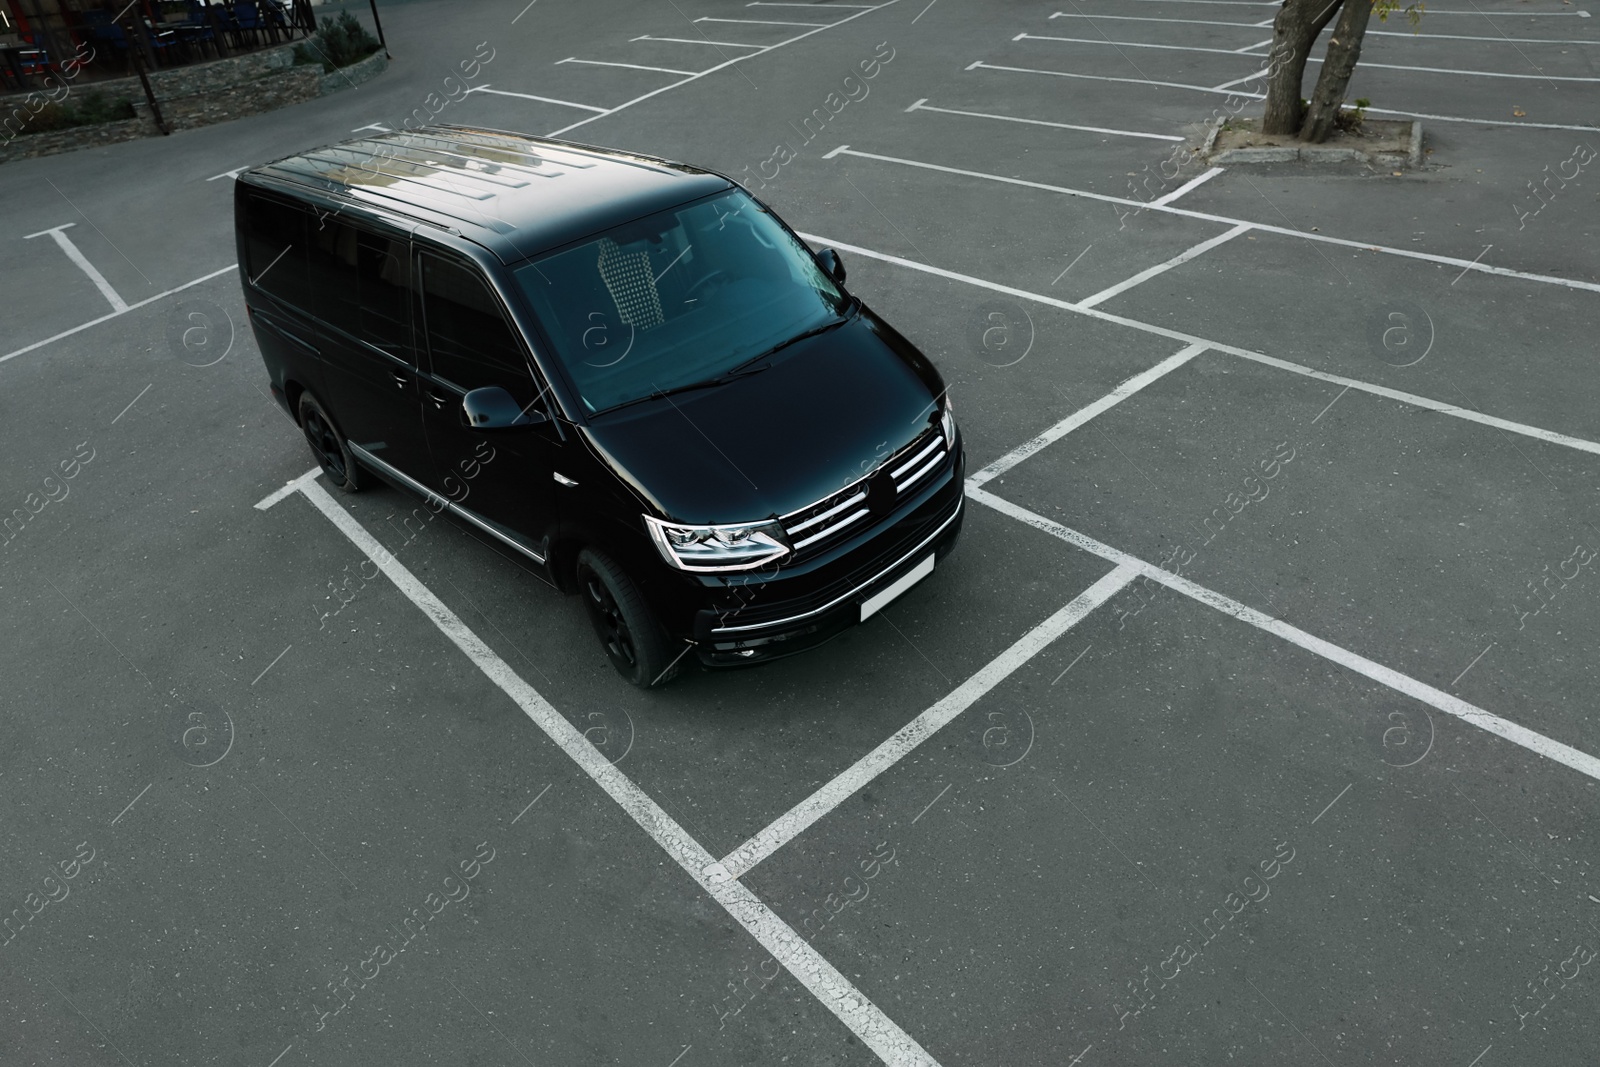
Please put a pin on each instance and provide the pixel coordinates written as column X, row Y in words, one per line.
column 275, row 249
column 469, row 340
column 362, row 283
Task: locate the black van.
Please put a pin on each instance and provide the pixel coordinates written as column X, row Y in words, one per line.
column 626, row 369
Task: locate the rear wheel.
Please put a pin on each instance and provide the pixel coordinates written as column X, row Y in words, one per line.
column 633, row 640
column 328, row 445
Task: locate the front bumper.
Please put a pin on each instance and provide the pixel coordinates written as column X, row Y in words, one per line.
column 791, row 614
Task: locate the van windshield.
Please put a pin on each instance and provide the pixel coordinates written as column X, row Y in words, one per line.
column 677, row 298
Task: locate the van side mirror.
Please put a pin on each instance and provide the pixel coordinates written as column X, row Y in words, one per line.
column 829, row 261
column 492, row 408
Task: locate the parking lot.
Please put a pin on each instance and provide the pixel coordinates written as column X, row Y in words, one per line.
column 1250, row 721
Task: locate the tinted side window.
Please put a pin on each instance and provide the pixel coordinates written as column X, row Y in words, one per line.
column 275, row 249
column 470, row 342
column 361, row 281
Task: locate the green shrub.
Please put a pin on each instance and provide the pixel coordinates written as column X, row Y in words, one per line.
column 1349, row 119
column 340, row 42
column 89, row 110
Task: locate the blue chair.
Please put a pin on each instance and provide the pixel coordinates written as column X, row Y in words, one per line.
column 32, row 58
column 107, row 36
column 197, row 32
column 164, row 45
column 247, row 17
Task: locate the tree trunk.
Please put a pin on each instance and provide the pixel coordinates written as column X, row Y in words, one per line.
column 1344, row 48
column 1294, row 31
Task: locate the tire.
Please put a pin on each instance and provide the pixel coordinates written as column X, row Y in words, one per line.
column 328, row 446
column 634, row 642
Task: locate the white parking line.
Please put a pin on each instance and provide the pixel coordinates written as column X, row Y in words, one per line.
column 1427, row 403
column 630, row 66
column 1186, row 186
column 234, row 173
column 759, row 50
column 923, row 105
column 766, row 22
column 1515, row 14
column 702, row 40
column 294, row 485
column 981, row 65
column 795, row 3
column 1161, row 268
column 104, row 318
column 1262, row 227
column 1534, row 742
column 1252, row 76
column 1223, row 88
column 1310, row 59
column 790, row 824
column 1128, row 44
column 117, row 303
column 541, row 99
column 1084, row 414
column 1469, row 73
column 875, row 1029
column 1144, row 18
column 1462, row 37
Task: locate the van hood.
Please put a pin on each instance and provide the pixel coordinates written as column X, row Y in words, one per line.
column 828, row 410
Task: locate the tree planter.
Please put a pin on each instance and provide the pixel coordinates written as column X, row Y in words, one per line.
column 1379, row 142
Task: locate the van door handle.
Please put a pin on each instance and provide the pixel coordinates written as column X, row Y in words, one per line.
column 399, row 378
column 438, row 401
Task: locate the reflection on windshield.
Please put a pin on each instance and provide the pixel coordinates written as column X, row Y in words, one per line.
column 676, row 298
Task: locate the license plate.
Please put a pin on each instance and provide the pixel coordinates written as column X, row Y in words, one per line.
column 872, row 604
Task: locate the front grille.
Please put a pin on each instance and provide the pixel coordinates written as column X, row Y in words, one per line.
column 864, row 501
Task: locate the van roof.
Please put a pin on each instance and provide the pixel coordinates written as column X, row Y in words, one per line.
column 514, row 194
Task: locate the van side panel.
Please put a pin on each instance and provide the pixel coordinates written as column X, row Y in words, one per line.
column 270, row 237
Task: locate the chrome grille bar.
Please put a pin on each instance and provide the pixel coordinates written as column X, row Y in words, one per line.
column 829, row 531
column 932, row 465
column 938, row 442
column 831, row 511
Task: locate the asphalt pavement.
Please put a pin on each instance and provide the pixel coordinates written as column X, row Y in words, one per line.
column 1248, row 723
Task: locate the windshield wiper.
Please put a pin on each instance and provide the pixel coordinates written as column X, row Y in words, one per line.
column 814, row 331
column 753, row 365
column 741, row 371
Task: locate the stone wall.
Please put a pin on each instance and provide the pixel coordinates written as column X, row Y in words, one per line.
column 191, row 96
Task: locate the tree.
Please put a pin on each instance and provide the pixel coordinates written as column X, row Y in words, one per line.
column 1294, row 31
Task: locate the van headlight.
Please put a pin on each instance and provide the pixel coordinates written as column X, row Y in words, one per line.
column 718, row 548
column 947, row 422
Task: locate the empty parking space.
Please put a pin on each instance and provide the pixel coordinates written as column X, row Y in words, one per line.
column 1225, row 858
column 1501, row 346
column 1402, row 536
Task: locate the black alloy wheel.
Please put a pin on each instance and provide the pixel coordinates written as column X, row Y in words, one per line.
column 328, row 445
column 629, row 633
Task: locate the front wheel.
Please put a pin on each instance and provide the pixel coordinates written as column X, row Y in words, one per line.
column 328, row 445
column 633, row 640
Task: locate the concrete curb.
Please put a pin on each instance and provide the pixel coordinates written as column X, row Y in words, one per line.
column 200, row 95
column 355, row 74
column 1314, row 153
